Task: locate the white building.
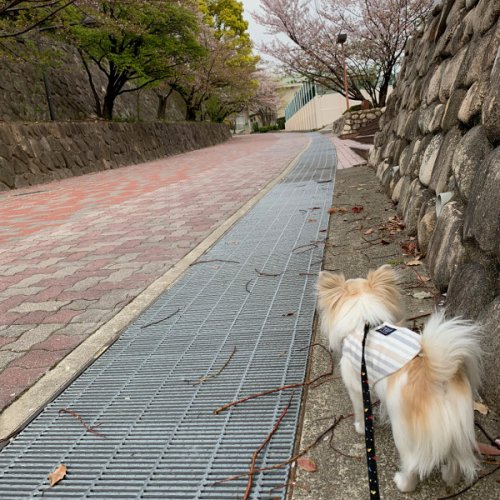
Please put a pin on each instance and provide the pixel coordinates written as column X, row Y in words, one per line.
column 313, row 107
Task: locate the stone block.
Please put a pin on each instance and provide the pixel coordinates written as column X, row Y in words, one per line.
column 426, row 225
column 404, row 196
column 453, row 75
column 487, row 13
column 482, row 215
column 490, row 116
column 442, row 169
column 7, row 174
column 490, row 343
column 396, row 192
column 381, row 168
column 435, row 122
column 446, row 251
column 471, row 287
column 404, row 160
column 418, row 197
column 417, row 155
column 434, row 84
column 473, row 101
column 480, row 57
column 468, row 155
column 429, row 119
column 450, row 115
column 429, row 159
column 470, row 3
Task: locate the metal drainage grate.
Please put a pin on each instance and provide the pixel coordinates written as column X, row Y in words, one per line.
column 162, row 439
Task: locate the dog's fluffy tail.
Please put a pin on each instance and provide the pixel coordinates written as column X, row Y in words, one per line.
column 451, row 345
column 438, row 408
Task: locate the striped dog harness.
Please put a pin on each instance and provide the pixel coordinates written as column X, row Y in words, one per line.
column 388, row 348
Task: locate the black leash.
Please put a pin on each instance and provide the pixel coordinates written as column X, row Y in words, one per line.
column 371, row 457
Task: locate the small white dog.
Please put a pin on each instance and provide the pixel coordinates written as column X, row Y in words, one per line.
column 429, row 397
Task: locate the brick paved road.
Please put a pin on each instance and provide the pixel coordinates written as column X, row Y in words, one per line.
column 73, row 253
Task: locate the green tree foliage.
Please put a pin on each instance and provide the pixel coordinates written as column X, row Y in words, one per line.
column 21, row 22
column 135, row 42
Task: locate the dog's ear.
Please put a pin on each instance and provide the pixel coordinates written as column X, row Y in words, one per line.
column 383, row 276
column 329, row 281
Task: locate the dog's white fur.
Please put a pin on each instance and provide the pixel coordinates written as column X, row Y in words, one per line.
column 430, row 400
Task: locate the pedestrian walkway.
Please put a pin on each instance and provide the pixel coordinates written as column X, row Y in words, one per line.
column 347, row 158
column 74, row 253
column 237, row 322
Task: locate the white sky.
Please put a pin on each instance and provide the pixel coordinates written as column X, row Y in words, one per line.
column 257, row 32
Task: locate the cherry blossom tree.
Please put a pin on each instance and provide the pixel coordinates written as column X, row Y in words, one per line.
column 265, row 101
column 219, row 83
column 377, row 30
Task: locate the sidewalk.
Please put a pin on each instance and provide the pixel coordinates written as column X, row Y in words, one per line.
column 354, row 246
column 74, row 253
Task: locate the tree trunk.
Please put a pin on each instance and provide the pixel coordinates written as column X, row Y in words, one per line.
column 384, row 89
column 190, row 112
column 162, row 107
column 97, row 102
column 109, row 102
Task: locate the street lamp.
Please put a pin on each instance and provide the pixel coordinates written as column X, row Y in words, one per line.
column 341, row 39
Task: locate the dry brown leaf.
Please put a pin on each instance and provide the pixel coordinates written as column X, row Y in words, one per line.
column 334, row 210
column 58, row 474
column 356, row 209
column 481, row 408
column 488, row 449
column 369, row 231
column 306, row 464
column 414, row 263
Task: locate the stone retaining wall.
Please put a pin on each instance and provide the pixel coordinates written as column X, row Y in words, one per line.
column 23, row 96
column 440, row 137
column 41, row 152
column 350, row 122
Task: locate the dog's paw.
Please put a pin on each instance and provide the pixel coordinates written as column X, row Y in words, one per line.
column 404, row 482
column 450, row 474
column 360, row 428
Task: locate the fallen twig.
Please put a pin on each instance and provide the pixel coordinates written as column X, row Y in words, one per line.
column 162, row 319
column 481, row 476
column 308, row 274
column 370, row 241
column 306, row 246
column 283, row 387
column 324, row 182
column 384, row 256
column 210, row 376
column 493, row 441
column 291, row 459
column 418, row 316
column 247, row 284
column 293, row 484
column 262, row 446
column 261, row 273
column 212, row 260
column 422, row 280
column 91, row 429
column 346, row 455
